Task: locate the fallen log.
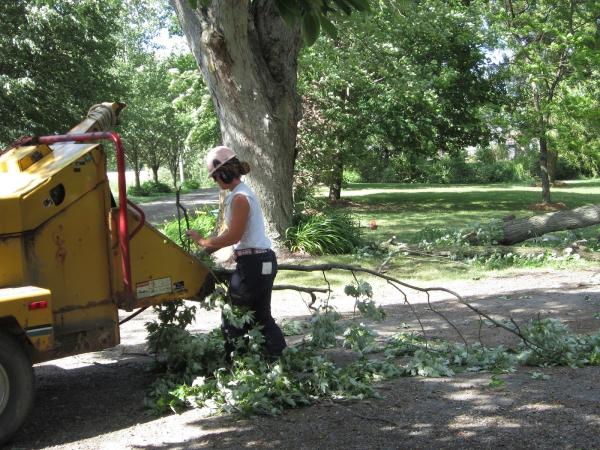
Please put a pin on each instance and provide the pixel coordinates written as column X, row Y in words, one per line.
column 519, row 230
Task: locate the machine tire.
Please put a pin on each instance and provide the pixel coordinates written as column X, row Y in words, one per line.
column 16, row 386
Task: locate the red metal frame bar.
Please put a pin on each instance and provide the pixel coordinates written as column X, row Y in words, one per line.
column 142, row 216
column 123, row 223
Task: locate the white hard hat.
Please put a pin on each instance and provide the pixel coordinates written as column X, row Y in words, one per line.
column 218, row 156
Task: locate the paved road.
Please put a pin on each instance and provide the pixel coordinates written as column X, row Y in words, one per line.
column 165, row 209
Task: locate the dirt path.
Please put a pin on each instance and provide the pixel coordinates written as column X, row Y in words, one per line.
column 95, row 401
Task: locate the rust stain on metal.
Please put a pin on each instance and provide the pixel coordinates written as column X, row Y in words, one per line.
column 61, row 251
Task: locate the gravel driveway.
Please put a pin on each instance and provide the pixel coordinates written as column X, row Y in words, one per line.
column 165, row 209
column 96, row 400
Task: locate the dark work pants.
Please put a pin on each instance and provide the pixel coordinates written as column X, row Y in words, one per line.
column 250, row 288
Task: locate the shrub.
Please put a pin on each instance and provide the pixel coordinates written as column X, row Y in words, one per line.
column 148, row 188
column 190, row 185
column 136, row 191
column 486, row 155
column 521, row 172
column 330, row 233
column 459, row 170
column 495, row 172
column 154, row 187
column 351, row 176
column 202, row 220
column 388, row 175
column 434, row 171
column 530, row 160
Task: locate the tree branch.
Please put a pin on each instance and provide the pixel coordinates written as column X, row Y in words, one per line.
column 395, row 283
column 310, row 291
column 291, row 287
column 327, row 267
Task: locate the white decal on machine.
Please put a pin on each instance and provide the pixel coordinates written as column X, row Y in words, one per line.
column 151, row 288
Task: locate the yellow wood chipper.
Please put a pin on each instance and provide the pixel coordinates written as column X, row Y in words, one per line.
column 70, row 259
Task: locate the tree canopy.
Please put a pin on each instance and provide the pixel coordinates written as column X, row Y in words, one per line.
column 311, row 90
column 550, row 44
column 403, row 84
column 55, row 62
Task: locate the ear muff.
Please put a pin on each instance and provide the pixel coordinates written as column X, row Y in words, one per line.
column 225, row 176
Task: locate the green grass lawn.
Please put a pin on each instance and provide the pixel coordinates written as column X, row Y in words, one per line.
column 149, row 198
column 401, row 210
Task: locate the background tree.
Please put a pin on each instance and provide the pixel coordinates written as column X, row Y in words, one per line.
column 405, row 85
column 576, row 128
column 145, row 121
column 174, row 140
column 194, row 111
column 55, row 62
column 549, row 42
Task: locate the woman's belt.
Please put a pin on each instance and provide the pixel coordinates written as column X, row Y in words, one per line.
column 250, row 251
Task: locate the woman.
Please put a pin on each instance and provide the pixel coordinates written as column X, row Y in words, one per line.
column 252, row 282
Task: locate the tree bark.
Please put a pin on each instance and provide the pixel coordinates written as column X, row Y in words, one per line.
column 552, row 161
column 248, row 58
column 173, row 165
column 335, row 184
column 136, row 171
column 544, row 168
column 543, row 142
column 133, row 157
column 519, row 230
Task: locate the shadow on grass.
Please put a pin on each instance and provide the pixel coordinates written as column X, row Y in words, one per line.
column 493, row 200
column 569, row 184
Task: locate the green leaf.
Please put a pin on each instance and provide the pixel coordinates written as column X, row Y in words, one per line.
column 360, row 5
column 496, row 382
column 310, row 28
column 290, row 11
column 328, row 27
column 343, row 5
column 193, row 3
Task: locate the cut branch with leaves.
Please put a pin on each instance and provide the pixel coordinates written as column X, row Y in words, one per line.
column 398, row 285
column 195, row 373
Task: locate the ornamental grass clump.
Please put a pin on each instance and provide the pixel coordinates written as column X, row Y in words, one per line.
column 330, row 233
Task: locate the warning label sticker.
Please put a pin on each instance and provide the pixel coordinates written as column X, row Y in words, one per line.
column 151, row 288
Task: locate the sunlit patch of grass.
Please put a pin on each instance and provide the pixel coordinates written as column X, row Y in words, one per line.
column 402, row 210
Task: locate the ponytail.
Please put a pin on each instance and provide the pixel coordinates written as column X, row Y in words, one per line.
column 234, row 168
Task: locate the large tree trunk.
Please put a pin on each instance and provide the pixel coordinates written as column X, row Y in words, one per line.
column 519, row 230
column 173, row 166
column 248, row 57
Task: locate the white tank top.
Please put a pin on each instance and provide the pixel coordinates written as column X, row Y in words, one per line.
column 255, row 235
